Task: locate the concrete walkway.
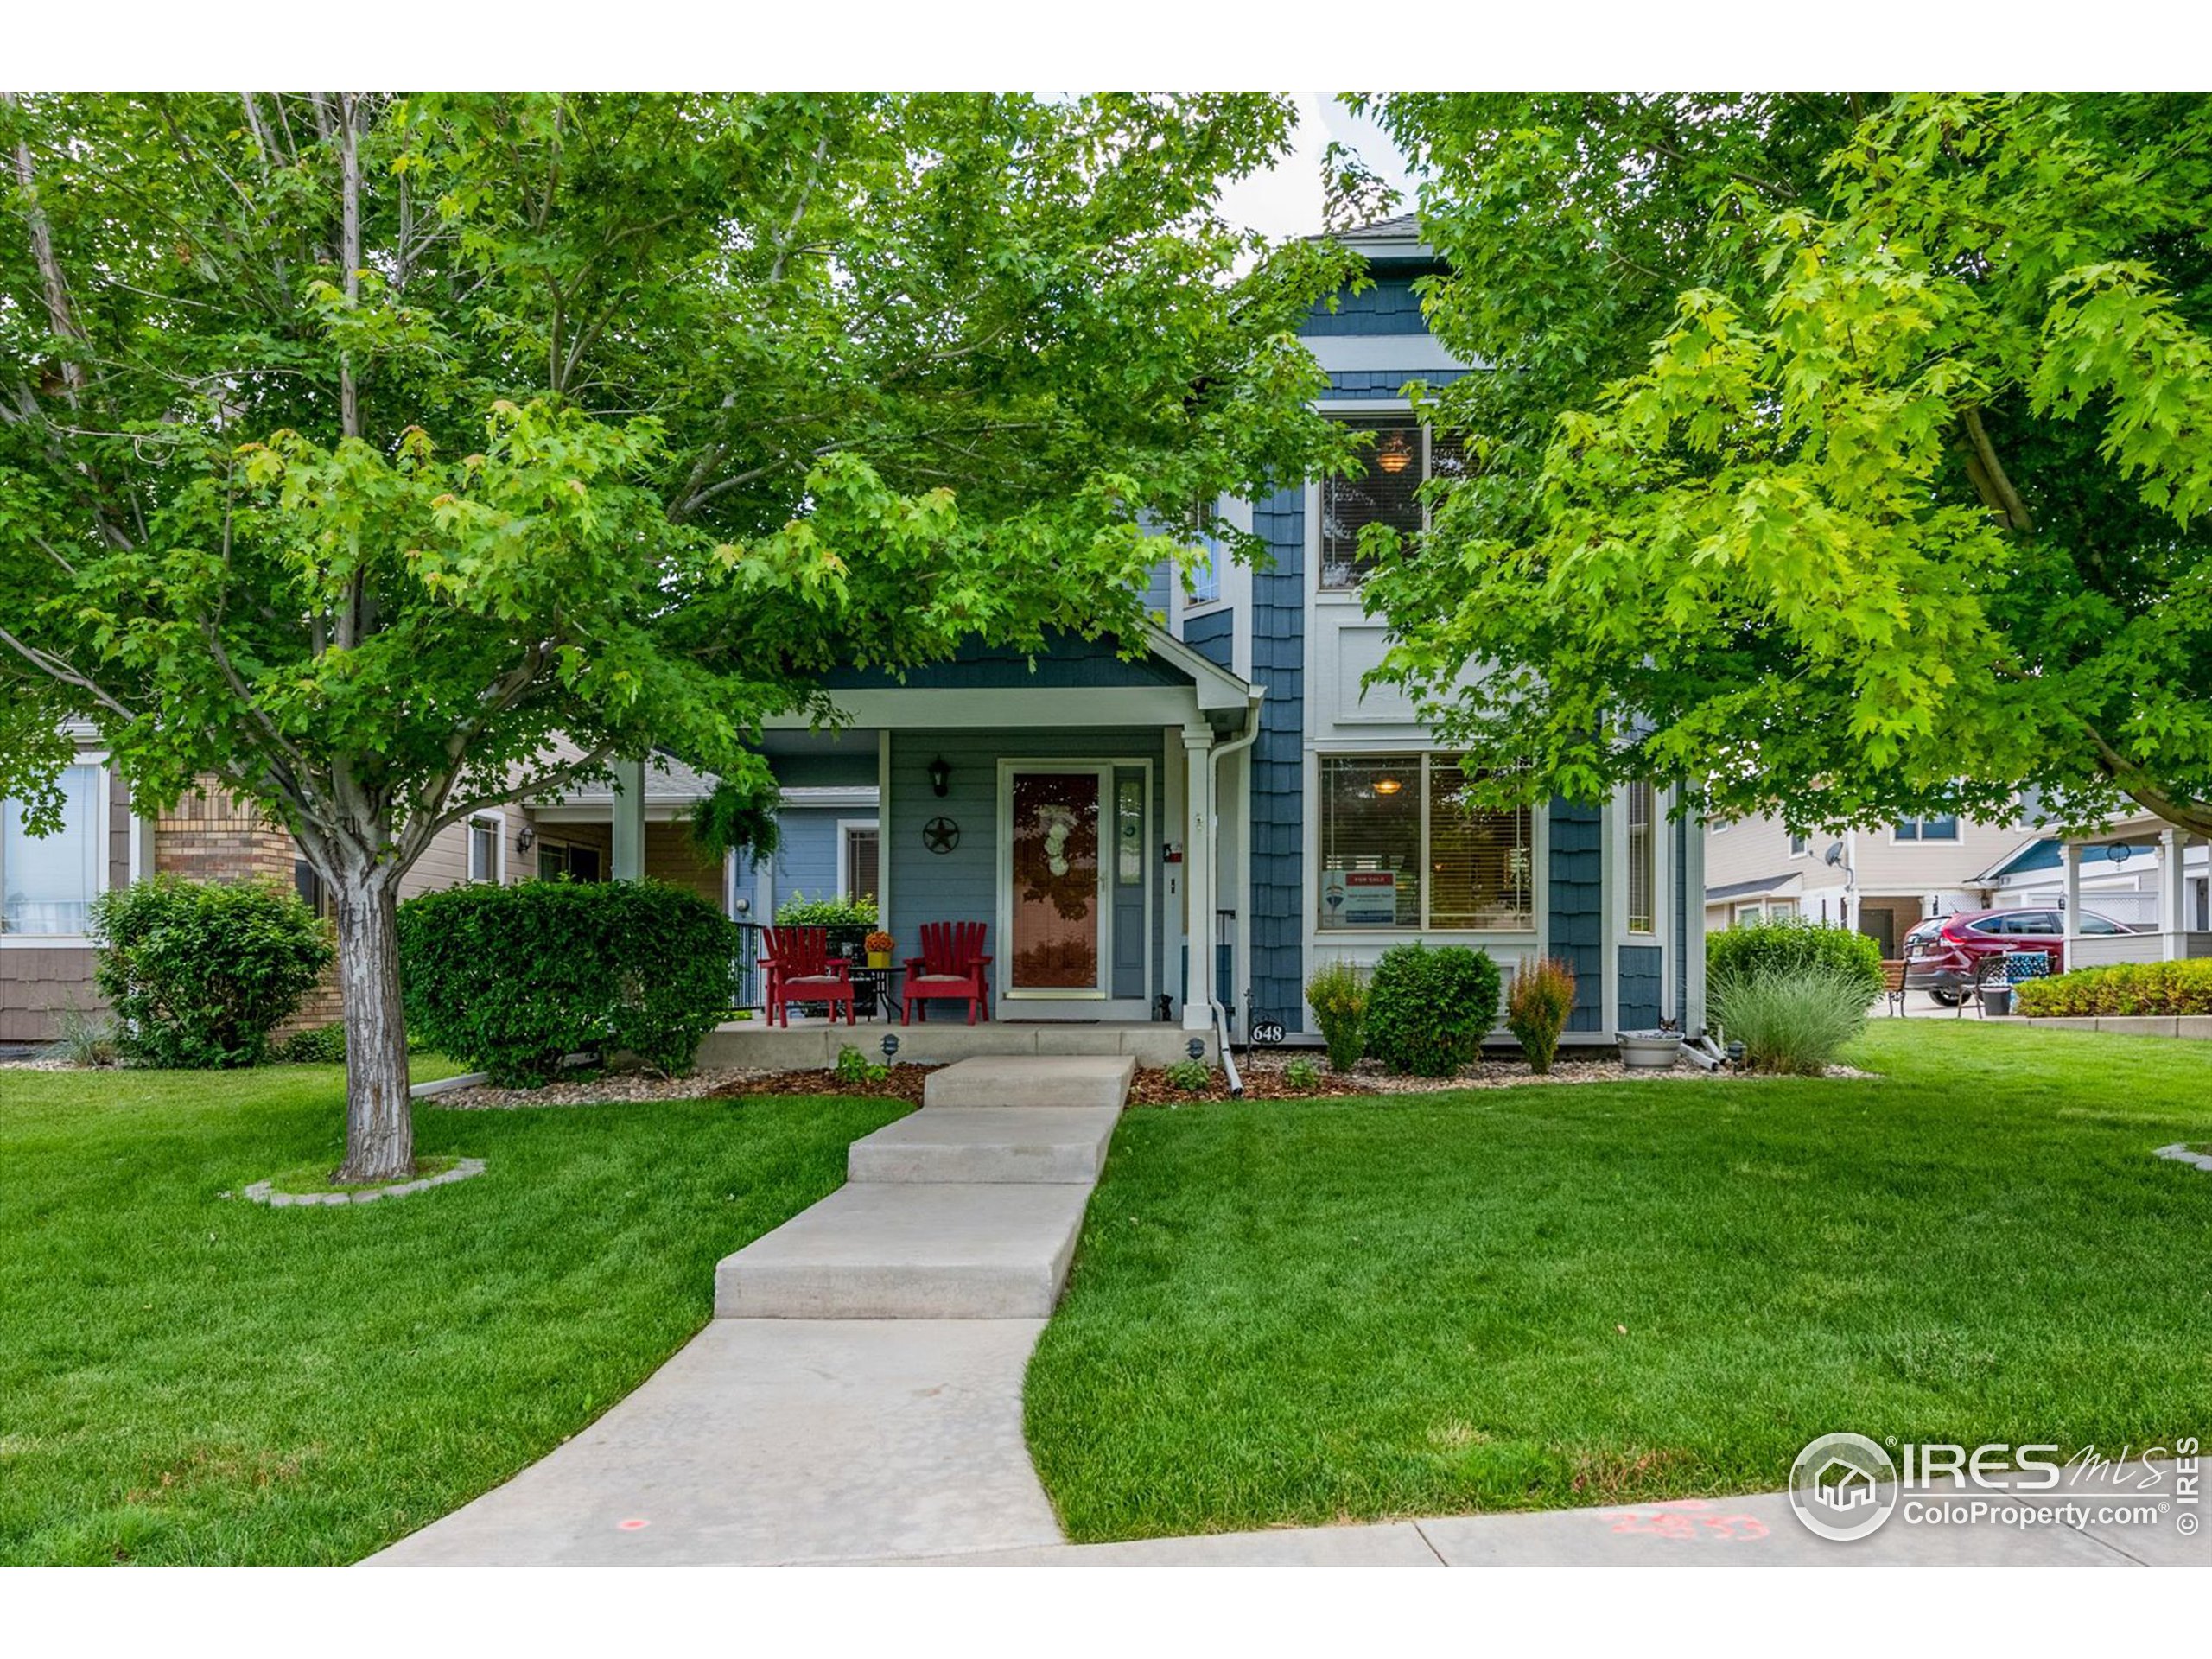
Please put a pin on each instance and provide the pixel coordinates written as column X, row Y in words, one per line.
column 1757, row 1531
column 858, row 1399
column 858, row 1395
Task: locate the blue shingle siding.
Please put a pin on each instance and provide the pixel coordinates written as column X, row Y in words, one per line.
column 1211, row 636
column 1577, row 919
column 1385, row 383
column 1277, row 898
column 1066, row 661
column 1642, row 967
column 1389, row 306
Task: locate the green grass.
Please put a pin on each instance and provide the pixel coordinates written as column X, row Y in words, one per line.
column 185, row 1377
column 1305, row 1311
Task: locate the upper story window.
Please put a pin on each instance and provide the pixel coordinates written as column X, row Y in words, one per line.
column 1401, row 849
column 1203, row 575
column 1386, row 490
column 1642, row 858
column 484, row 849
column 48, row 883
column 1943, row 827
column 1797, row 845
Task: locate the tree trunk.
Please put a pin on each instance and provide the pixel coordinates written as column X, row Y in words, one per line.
column 379, row 1120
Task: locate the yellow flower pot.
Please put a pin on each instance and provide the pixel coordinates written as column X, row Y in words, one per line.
column 879, row 959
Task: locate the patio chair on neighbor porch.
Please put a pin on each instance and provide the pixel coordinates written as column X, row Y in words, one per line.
column 1893, row 987
column 951, row 968
column 798, row 968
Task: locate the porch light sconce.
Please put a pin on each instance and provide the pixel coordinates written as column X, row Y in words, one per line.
column 940, row 775
column 1388, row 785
column 1395, row 455
column 527, row 839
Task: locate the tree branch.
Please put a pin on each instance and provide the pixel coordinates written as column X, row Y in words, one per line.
column 1989, row 476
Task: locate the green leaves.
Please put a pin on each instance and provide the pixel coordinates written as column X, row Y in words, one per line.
column 1845, row 460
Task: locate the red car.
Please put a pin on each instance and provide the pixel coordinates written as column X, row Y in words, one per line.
column 1940, row 955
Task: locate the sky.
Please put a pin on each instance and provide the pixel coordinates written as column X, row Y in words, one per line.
column 1287, row 200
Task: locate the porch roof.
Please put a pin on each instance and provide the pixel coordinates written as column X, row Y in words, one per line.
column 1761, row 887
column 1075, row 682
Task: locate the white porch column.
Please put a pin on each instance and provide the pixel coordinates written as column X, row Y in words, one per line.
column 1198, row 875
column 628, row 861
column 2173, row 892
column 2071, row 923
column 1175, row 912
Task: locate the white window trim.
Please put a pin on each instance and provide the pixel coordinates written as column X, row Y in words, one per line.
column 498, row 823
column 1519, row 938
column 1923, row 839
column 1617, row 862
column 104, row 788
column 845, row 828
column 1806, row 851
column 1328, row 406
column 1231, row 578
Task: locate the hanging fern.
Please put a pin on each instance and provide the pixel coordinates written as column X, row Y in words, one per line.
column 733, row 820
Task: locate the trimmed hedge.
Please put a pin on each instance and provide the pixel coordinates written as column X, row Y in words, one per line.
column 510, row 980
column 199, row 973
column 1791, row 946
column 2123, row 989
column 1428, row 1010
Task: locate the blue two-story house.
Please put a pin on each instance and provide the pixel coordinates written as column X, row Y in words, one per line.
column 1228, row 792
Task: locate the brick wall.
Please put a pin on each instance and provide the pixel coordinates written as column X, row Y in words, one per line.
column 212, row 835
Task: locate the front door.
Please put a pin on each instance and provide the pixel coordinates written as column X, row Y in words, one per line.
column 1056, row 924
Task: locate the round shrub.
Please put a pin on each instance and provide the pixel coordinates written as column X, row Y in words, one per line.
column 1428, row 1010
column 510, row 980
column 1789, row 945
column 199, row 973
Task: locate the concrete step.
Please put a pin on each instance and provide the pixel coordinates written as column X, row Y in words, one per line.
column 1055, row 1144
column 879, row 1250
column 1093, row 1080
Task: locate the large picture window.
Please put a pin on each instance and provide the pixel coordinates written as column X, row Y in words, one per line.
column 1386, row 490
column 48, row 883
column 1401, row 848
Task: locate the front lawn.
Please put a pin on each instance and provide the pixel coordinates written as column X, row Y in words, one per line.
column 187, row 1377
column 1526, row 1298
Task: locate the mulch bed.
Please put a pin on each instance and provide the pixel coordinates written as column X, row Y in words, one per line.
column 903, row 1082
column 1150, row 1087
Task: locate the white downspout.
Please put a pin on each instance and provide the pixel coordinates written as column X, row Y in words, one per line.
column 1253, row 696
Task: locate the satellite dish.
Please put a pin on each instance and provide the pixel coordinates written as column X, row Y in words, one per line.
column 1834, row 854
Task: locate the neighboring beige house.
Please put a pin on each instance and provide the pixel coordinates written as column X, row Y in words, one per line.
column 48, row 883
column 1882, row 882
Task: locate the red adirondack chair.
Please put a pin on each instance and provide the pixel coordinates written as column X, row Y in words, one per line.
column 952, row 968
column 798, row 968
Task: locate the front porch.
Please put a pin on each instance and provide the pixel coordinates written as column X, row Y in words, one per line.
column 2183, row 930
column 815, row 1042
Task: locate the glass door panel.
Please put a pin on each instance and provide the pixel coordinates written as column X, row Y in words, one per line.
column 1054, row 905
